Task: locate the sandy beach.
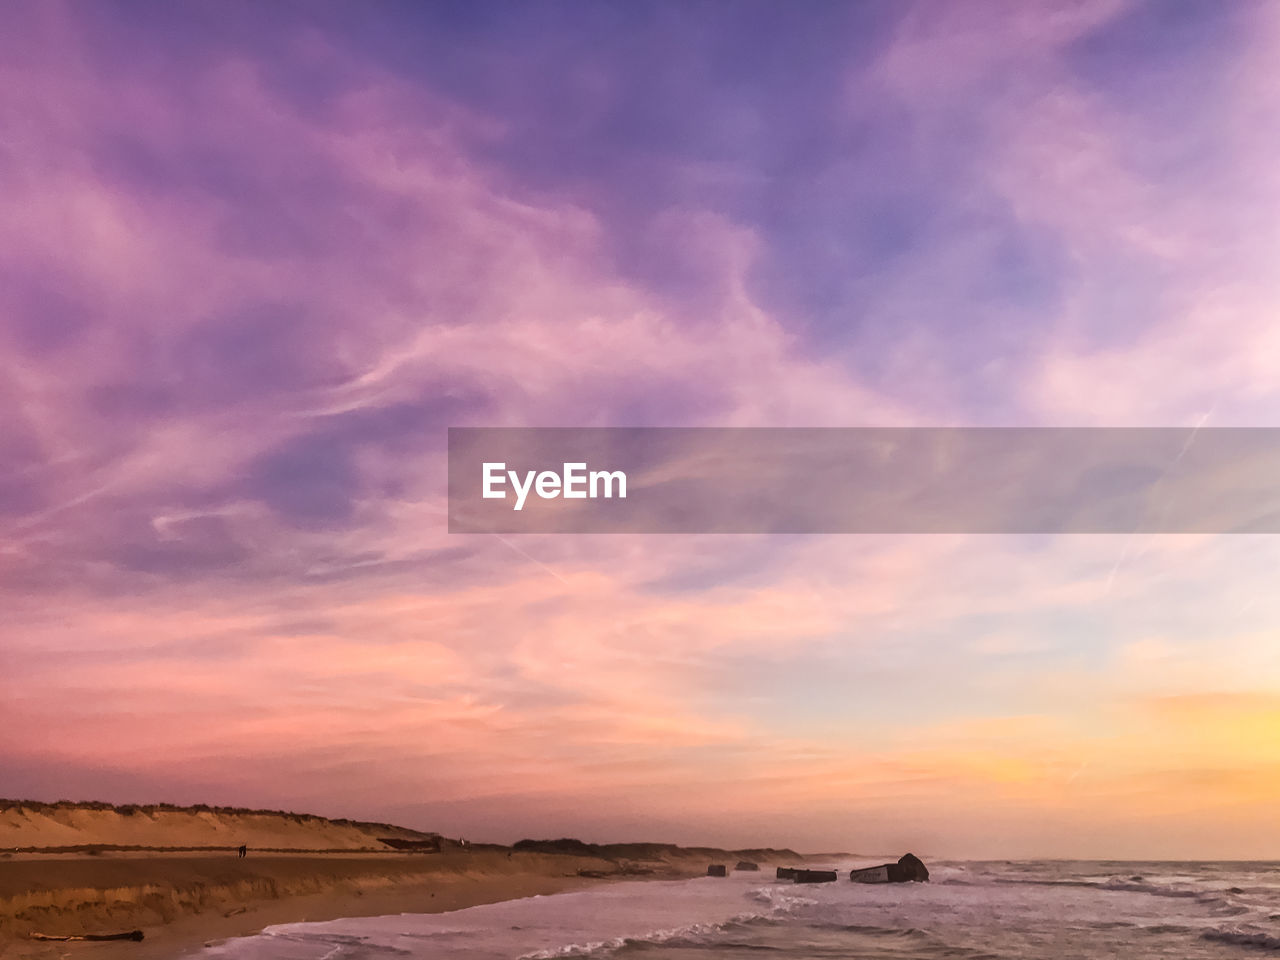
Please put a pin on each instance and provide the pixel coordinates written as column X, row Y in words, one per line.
column 181, row 901
column 74, row 869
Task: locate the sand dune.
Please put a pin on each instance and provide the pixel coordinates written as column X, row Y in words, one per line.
column 37, row 826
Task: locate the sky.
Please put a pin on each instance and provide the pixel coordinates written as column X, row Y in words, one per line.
column 255, row 259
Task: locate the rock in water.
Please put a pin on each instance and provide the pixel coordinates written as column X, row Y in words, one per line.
column 717, row 870
column 747, row 865
column 909, row 868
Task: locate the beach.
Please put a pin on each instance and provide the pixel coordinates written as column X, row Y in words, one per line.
column 486, row 905
column 969, row 910
column 181, row 901
column 177, row 874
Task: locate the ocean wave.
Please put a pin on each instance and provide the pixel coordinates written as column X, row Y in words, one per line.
column 340, row 946
column 1165, row 928
column 1245, row 935
column 694, row 934
column 782, row 899
column 1134, row 885
column 1032, row 882
column 911, row 941
column 1158, row 890
column 900, row 933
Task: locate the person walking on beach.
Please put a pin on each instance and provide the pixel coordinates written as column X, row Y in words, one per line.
column 242, row 852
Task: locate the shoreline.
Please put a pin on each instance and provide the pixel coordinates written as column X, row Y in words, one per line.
column 183, row 902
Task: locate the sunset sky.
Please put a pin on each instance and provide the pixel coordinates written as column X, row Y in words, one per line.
column 256, row 258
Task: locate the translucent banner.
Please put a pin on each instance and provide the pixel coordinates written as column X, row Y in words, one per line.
column 863, row 480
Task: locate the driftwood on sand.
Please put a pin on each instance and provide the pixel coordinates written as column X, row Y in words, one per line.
column 130, row 935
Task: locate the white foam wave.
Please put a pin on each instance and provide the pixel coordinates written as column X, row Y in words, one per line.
column 693, row 933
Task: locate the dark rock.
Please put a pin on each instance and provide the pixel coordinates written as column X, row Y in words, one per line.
column 786, row 873
column 717, row 870
column 746, row 865
column 909, row 869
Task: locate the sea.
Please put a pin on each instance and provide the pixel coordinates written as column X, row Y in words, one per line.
column 968, row 910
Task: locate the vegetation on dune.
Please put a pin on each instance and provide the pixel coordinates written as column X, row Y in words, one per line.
column 149, row 809
column 642, row 851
